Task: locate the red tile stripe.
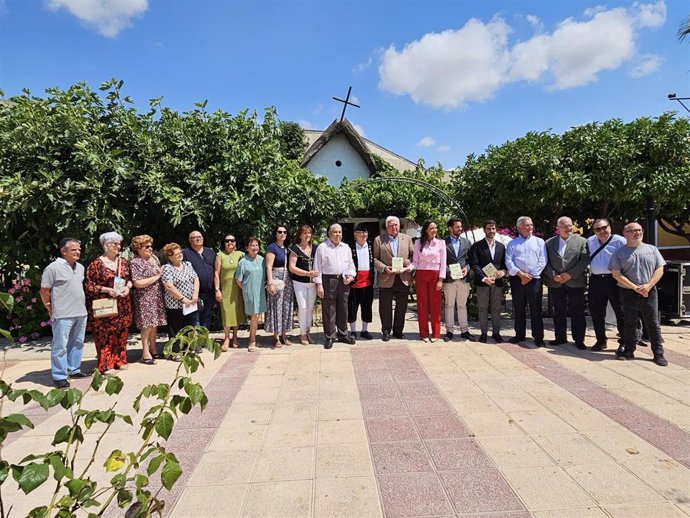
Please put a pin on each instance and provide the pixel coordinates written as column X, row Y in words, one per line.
column 425, row 459
column 660, row 433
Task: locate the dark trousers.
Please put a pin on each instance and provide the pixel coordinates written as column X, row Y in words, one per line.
column 203, row 316
column 563, row 298
column 523, row 295
column 334, row 306
column 360, row 297
column 176, row 321
column 634, row 306
column 603, row 290
column 398, row 292
column 489, row 297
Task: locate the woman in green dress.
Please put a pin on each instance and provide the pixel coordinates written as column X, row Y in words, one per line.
column 251, row 277
column 228, row 294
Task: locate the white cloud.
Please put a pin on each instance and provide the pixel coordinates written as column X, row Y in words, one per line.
column 360, row 130
column 471, row 64
column 648, row 64
column 108, row 17
column 361, row 67
column 355, row 99
column 426, row 142
column 306, row 124
column 443, row 148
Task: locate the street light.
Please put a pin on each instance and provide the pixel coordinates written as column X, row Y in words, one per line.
column 674, row 97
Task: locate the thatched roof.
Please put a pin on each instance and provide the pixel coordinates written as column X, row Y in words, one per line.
column 354, row 138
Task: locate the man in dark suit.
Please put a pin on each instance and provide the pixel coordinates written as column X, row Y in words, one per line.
column 362, row 289
column 393, row 284
column 567, row 262
column 456, row 285
column 203, row 261
column 489, row 287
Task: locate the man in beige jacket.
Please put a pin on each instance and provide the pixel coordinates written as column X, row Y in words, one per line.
column 393, row 284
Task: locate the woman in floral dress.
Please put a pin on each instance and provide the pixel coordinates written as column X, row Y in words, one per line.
column 109, row 276
column 149, row 310
column 279, row 315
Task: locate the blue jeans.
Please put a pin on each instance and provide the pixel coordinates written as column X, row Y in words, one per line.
column 68, row 346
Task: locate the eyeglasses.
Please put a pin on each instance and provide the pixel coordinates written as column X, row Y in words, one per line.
column 115, row 243
column 197, row 237
column 229, row 240
column 633, row 230
column 281, row 231
column 148, row 247
column 601, row 229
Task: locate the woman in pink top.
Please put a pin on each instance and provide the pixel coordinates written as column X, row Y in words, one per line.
column 429, row 261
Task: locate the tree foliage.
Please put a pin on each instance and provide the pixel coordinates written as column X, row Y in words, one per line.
column 594, row 170
column 78, row 163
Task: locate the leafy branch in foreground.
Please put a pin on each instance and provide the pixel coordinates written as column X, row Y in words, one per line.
column 77, row 491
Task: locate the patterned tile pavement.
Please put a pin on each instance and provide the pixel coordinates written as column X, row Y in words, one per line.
column 407, row 429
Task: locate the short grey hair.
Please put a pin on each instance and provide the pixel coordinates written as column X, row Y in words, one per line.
column 110, row 237
column 392, row 218
column 331, row 228
column 562, row 219
column 521, row 220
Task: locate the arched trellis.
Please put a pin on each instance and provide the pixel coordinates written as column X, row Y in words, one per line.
column 421, row 183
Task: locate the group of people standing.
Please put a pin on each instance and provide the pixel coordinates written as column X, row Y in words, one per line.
column 624, row 273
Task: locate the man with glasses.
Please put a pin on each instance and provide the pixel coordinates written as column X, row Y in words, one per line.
column 603, row 288
column 203, row 261
column 567, row 261
column 638, row 267
column 62, row 293
column 526, row 259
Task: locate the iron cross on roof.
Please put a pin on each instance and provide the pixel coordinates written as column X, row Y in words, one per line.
column 346, row 102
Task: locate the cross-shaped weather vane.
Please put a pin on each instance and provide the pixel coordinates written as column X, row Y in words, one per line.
column 346, row 102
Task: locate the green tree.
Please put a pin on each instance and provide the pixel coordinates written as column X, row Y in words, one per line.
column 292, row 140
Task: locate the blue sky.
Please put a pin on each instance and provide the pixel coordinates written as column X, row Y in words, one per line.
column 435, row 79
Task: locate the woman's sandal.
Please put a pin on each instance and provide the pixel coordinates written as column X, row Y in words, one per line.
column 148, row 361
column 235, row 345
column 277, row 344
column 226, row 345
column 303, row 340
column 251, row 348
column 285, row 340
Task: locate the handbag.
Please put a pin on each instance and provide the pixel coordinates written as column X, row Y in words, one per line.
column 107, row 307
column 103, row 308
column 279, row 284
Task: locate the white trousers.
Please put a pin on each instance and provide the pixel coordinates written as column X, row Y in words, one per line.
column 305, row 293
column 456, row 293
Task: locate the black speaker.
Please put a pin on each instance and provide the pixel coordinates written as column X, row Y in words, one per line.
column 674, row 290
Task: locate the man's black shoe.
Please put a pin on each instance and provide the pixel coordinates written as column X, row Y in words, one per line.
column 80, row 374
column 557, row 342
column 581, row 346
column 346, row 340
column 539, row 343
column 497, row 338
column 467, row 336
column 517, row 339
column 599, row 346
column 366, row 335
column 660, row 360
column 328, row 344
column 61, row 384
column 641, row 343
column 625, row 355
column 448, row 337
column 386, row 336
column 399, row 336
column 483, row 338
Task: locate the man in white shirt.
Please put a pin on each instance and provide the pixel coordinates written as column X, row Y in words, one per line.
column 603, row 288
column 336, row 270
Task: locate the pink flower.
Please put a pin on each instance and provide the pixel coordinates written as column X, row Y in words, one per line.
column 35, row 335
column 12, row 290
column 33, row 301
column 29, row 307
column 18, row 299
column 23, row 339
column 45, row 323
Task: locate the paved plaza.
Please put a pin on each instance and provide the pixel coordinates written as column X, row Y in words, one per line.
column 406, row 429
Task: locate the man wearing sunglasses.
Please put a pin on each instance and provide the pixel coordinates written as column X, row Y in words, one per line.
column 638, row 267
column 603, row 288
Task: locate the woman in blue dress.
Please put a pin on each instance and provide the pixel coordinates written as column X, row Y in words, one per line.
column 251, row 277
